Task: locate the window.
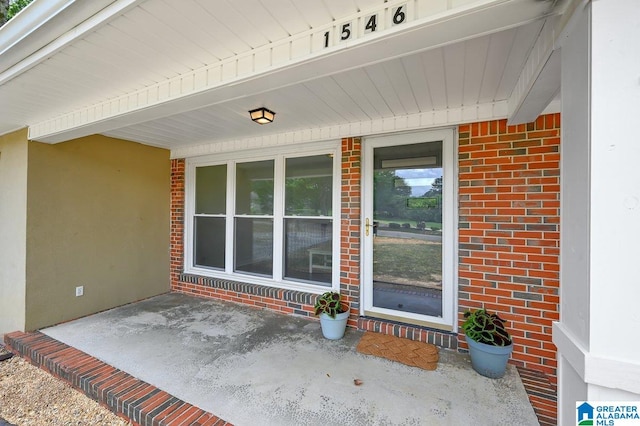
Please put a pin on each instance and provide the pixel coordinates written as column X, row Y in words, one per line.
column 254, row 218
column 307, row 231
column 270, row 220
column 209, row 220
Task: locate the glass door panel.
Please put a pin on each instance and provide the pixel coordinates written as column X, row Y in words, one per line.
column 407, row 228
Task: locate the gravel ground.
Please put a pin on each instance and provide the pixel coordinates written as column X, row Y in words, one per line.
column 29, row 396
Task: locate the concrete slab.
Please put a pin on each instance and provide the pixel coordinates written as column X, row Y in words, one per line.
column 251, row 366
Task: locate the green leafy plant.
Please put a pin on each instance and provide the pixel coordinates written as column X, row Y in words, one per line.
column 485, row 327
column 330, row 303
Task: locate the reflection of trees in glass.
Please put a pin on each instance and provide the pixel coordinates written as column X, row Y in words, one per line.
column 308, row 196
column 434, row 214
column 262, row 196
column 392, row 195
column 436, row 188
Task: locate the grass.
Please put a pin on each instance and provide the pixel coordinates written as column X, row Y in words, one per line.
column 407, row 261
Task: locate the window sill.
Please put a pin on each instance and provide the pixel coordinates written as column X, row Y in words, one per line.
column 265, row 282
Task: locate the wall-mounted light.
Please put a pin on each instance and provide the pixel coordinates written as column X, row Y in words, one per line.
column 262, row 115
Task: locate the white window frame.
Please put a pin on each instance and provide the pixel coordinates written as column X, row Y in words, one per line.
column 279, row 155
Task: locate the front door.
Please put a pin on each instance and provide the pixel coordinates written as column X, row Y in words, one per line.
column 408, row 229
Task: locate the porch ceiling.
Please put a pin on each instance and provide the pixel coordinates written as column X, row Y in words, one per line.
column 182, row 73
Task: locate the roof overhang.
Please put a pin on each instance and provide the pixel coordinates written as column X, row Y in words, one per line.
column 477, row 44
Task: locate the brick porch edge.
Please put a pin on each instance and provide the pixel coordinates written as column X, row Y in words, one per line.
column 123, row 394
column 145, row 404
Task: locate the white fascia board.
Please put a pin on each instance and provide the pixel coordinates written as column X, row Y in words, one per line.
column 225, row 81
column 36, row 15
column 44, row 28
column 539, row 81
column 411, row 122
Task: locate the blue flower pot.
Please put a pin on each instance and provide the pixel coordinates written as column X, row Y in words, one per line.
column 488, row 360
column 333, row 328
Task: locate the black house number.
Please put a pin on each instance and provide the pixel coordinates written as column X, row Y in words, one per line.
column 371, row 24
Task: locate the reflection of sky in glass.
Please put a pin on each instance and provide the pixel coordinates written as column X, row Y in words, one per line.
column 420, row 180
column 419, row 173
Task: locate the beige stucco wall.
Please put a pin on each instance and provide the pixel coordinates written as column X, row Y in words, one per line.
column 13, row 230
column 98, row 217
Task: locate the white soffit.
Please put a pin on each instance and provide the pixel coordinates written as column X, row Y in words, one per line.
column 167, row 88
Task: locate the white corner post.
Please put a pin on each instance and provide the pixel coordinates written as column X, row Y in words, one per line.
column 598, row 347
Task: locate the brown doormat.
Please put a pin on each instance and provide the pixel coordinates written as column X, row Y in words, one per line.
column 409, row 352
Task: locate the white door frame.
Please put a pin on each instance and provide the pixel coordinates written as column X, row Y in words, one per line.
column 448, row 321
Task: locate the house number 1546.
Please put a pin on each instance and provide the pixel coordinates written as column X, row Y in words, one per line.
column 371, row 24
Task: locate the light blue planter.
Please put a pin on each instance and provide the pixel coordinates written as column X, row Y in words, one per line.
column 488, row 360
column 333, row 328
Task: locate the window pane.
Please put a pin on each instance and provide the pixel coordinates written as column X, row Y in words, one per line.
column 308, row 186
column 254, row 246
column 209, row 241
column 254, row 188
column 308, row 250
column 211, row 189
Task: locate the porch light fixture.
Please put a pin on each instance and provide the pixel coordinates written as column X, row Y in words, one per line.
column 262, row 115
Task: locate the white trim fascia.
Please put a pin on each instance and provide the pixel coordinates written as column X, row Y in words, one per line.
column 423, row 120
column 593, row 368
column 66, row 21
column 539, row 81
column 229, row 80
column 28, row 20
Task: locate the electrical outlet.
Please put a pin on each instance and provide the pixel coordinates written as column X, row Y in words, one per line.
column 79, row 290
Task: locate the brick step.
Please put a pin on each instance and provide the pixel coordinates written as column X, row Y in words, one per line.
column 141, row 403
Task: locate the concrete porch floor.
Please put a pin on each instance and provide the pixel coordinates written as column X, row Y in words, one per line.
column 255, row 367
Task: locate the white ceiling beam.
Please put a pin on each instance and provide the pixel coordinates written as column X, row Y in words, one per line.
column 539, row 81
column 295, row 60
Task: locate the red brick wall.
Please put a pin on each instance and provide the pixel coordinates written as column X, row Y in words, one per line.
column 177, row 220
column 350, row 209
column 509, row 237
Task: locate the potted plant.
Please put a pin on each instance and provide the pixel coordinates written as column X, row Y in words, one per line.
column 490, row 344
column 333, row 313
